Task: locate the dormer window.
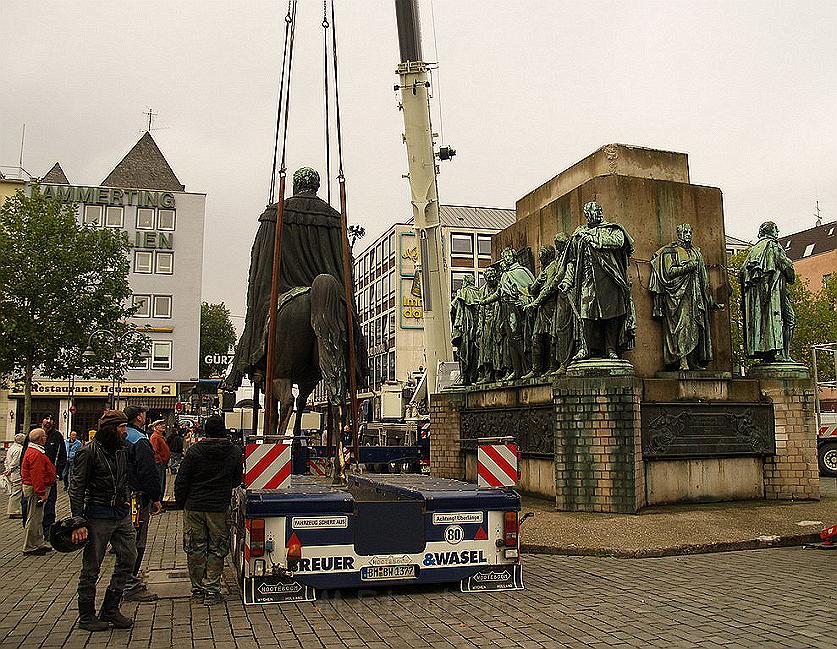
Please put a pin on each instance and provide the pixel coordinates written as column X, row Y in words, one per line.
column 808, row 250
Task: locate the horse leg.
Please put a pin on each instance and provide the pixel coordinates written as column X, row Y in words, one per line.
column 339, row 474
column 284, row 396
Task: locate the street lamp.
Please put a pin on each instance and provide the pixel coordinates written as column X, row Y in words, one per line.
column 118, row 341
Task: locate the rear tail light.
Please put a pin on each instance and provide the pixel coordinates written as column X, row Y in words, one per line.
column 294, row 551
column 257, row 537
column 510, row 529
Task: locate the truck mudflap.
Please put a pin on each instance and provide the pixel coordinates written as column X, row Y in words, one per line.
column 494, row 578
column 276, row 590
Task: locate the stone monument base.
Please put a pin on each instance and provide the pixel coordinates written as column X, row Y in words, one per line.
column 779, row 370
column 593, row 367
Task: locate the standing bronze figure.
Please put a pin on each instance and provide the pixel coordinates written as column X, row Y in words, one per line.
column 768, row 315
column 464, row 314
column 679, row 284
column 544, row 310
column 597, row 286
column 489, row 342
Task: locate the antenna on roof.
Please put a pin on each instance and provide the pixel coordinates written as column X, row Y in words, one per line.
column 817, row 214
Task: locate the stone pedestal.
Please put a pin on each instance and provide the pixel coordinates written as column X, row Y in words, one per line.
column 792, row 473
column 598, row 457
column 446, row 460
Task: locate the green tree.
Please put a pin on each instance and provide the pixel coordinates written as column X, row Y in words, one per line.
column 816, row 320
column 217, row 337
column 60, row 281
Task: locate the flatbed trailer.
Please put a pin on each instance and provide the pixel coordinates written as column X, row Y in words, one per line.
column 381, row 530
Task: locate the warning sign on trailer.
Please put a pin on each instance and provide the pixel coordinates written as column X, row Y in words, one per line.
column 319, row 522
column 456, row 518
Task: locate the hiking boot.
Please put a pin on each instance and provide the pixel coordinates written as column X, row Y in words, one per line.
column 198, row 595
column 210, row 599
column 141, row 595
column 87, row 620
column 92, row 624
column 110, row 611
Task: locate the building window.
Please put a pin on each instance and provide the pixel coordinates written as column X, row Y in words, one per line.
column 165, row 220
column 162, row 306
column 143, row 306
column 484, row 245
column 808, row 250
column 145, row 218
column 143, row 261
column 165, row 263
column 161, row 355
column 114, row 217
column 462, row 245
column 92, row 215
column 141, row 364
column 456, row 279
column 391, row 375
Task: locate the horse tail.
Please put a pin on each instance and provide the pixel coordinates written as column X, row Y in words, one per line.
column 328, row 320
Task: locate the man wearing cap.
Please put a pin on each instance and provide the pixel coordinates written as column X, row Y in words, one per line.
column 37, row 473
column 144, row 481
column 203, row 487
column 99, row 491
column 162, row 453
column 56, row 450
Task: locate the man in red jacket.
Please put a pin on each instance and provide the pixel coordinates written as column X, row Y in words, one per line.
column 37, row 473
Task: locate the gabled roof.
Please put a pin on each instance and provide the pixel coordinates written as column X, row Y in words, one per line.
column 814, row 241
column 55, row 176
column 476, row 218
column 144, row 167
column 735, row 241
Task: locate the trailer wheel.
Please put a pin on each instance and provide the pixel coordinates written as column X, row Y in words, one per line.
column 828, row 459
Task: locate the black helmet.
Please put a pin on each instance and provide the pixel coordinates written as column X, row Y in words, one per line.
column 61, row 533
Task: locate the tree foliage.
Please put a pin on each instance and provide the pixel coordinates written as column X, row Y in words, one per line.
column 217, row 337
column 59, row 282
column 816, row 321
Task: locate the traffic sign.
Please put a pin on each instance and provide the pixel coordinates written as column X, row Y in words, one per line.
column 73, row 409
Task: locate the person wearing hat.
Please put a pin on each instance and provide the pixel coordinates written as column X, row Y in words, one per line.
column 203, row 488
column 162, row 453
column 144, row 480
column 37, row 473
column 99, row 491
column 12, row 472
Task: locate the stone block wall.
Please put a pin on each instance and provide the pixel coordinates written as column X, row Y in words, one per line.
column 792, row 474
column 598, row 445
column 446, row 458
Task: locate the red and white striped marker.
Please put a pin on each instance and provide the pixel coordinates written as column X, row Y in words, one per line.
column 320, row 466
column 828, row 430
column 497, row 465
column 267, row 466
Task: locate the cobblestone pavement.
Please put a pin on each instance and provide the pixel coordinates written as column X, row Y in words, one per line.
column 764, row 598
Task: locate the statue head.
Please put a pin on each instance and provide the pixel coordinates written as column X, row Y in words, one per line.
column 594, row 213
column 560, row 243
column 507, row 258
column 768, row 229
column 468, row 280
column 306, row 181
column 491, row 276
column 546, row 254
column 684, row 235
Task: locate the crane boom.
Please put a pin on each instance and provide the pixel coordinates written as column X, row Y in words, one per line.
column 418, row 136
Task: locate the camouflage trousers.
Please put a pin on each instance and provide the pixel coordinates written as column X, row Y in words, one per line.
column 206, row 542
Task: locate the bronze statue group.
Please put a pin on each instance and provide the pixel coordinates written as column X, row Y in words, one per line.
column 579, row 307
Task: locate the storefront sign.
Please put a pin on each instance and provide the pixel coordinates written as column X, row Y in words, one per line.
column 412, row 314
column 159, row 240
column 108, row 196
column 60, row 389
column 408, row 256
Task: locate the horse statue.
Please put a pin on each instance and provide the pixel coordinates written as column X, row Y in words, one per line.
column 312, row 345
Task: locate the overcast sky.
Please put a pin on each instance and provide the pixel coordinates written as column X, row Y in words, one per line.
column 526, row 88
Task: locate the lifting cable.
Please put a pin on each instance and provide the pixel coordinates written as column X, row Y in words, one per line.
column 325, row 95
column 282, row 112
column 347, row 267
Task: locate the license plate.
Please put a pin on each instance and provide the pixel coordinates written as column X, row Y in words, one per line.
column 374, row 573
column 425, row 468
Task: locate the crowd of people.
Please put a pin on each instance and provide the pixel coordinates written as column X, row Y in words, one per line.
column 116, row 482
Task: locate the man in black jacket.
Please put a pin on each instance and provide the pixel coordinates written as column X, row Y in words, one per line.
column 210, row 470
column 99, row 492
column 144, row 480
column 56, row 450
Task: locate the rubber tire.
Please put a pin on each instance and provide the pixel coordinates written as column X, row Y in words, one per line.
column 830, row 450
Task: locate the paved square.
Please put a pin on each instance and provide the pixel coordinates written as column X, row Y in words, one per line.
column 764, row 598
